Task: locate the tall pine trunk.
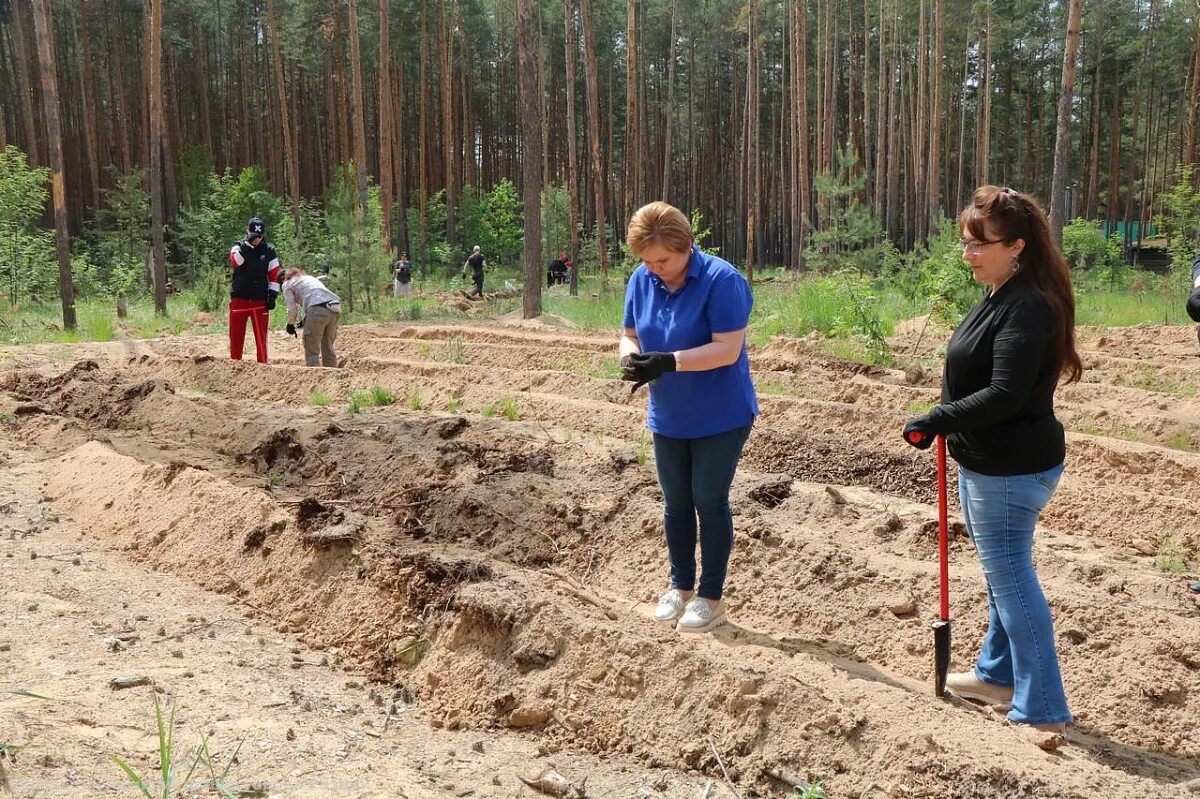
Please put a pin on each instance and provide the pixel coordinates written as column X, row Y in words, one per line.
column 158, row 266
column 531, row 146
column 43, row 25
column 752, row 171
column 358, row 114
column 599, row 181
column 385, row 124
column 291, row 164
column 1062, row 137
column 571, row 48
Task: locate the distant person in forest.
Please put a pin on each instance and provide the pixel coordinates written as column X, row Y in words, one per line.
column 322, row 312
column 685, row 322
column 1003, row 364
column 402, row 276
column 477, row 264
column 556, row 270
column 253, row 290
column 1193, row 303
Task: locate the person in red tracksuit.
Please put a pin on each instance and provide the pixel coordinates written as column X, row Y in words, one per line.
column 255, row 286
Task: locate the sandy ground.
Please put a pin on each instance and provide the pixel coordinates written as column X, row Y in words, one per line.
column 435, row 597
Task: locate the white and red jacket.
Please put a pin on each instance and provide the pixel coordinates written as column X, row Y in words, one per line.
column 255, row 270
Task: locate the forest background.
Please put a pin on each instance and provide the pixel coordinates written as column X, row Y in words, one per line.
column 826, row 137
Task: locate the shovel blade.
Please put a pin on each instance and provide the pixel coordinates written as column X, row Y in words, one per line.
column 941, row 655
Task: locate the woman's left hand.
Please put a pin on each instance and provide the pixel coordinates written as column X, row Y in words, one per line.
column 642, row 367
column 918, row 433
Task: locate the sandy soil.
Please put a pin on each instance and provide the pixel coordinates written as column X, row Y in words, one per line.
column 431, row 598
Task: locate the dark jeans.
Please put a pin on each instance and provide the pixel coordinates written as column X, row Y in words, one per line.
column 695, row 475
column 478, row 280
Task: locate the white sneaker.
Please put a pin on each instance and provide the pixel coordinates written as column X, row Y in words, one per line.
column 701, row 615
column 670, row 605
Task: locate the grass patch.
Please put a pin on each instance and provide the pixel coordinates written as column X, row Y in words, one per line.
column 772, row 386
column 414, row 399
column 919, row 408
column 318, row 398
column 488, row 411
column 605, row 369
column 1181, row 440
column 508, row 407
column 1173, row 556
column 453, row 404
column 643, row 450
column 381, row 396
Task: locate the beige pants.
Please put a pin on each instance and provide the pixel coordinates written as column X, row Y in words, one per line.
column 320, row 331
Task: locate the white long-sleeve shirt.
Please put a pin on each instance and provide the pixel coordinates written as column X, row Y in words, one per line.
column 306, row 291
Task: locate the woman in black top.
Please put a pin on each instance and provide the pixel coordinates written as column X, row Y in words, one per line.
column 1003, row 364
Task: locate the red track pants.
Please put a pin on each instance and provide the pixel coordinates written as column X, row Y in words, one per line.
column 256, row 311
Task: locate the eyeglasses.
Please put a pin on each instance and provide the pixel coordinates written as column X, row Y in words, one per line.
column 976, row 247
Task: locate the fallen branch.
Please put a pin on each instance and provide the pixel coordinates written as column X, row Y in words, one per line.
column 583, row 594
column 721, row 763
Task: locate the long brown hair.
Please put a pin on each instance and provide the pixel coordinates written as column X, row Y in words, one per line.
column 1012, row 215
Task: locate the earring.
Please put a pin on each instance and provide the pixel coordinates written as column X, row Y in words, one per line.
column 1016, row 265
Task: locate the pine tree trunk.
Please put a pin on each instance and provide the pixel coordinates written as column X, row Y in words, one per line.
column 667, row 155
column 446, row 54
column 592, row 85
column 158, row 267
column 571, row 48
column 753, row 173
column 1190, row 151
column 423, row 123
column 1113, row 196
column 984, row 133
column 358, row 114
column 933, row 206
column 868, row 141
column 1093, row 191
column 531, row 178
column 881, row 94
column 632, row 179
column 921, row 148
column 385, row 123
column 43, row 26
column 290, row 162
column 25, row 85
column 801, row 211
column 83, row 65
column 1062, row 138
column 962, row 130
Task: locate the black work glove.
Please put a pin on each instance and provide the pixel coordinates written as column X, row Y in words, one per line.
column 271, row 295
column 291, row 329
column 918, row 433
column 1193, row 305
column 245, row 248
column 642, row 367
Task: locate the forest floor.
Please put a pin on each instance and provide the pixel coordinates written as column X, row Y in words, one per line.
column 434, row 597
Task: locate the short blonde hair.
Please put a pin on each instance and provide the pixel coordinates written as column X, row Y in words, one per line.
column 659, row 223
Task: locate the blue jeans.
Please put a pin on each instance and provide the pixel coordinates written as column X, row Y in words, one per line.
column 695, row 475
column 1018, row 649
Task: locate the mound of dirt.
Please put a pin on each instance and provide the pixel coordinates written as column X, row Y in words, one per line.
column 502, row 572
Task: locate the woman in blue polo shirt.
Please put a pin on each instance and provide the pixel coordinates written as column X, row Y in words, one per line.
column 685, row 334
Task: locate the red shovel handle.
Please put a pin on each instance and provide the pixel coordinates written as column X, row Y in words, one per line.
column 943, row 531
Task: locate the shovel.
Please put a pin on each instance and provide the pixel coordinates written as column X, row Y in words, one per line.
column 941, row 626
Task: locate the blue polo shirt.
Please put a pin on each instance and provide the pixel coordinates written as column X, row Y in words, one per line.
column 714, row 298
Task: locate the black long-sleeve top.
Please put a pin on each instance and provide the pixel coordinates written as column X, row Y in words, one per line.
column 997, row 410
